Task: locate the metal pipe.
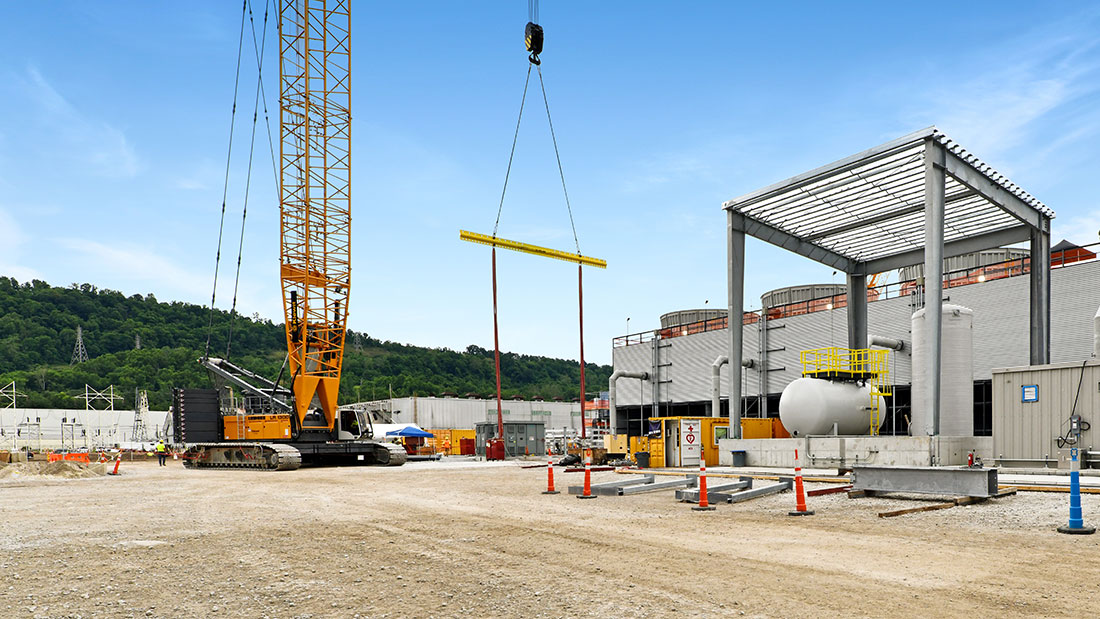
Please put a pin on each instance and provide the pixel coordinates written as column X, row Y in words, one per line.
column 716, row 382
column 887, row 342
column 1096, row 334
column 612, row 411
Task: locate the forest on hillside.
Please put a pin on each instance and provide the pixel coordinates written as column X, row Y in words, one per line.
column 137, row 342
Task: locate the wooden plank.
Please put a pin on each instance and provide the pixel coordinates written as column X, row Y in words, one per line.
column 914, row 510
column 824, row 491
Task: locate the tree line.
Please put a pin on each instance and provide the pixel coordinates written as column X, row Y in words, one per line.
column 137, row 342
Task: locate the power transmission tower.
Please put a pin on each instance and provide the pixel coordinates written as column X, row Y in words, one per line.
column 80, row 354
column 8, row 400
column 101, row 401
column 141, row 411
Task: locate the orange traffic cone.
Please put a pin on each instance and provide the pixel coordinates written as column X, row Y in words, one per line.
column 549, row 474
column 118, row 460
column 800, row 494
column 587, row 481
column 704, row 504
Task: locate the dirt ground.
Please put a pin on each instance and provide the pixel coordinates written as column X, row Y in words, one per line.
column 446, row 539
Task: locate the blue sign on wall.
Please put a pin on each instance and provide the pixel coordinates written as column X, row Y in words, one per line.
column 1029, row 393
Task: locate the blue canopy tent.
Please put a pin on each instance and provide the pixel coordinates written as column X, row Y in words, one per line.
column 410, row 431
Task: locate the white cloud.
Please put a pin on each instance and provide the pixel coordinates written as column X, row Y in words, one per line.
column 140, row 265
column 94, row 145
column 1079, row 229
column 11, row 250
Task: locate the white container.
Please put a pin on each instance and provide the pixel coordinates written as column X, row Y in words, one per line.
column 811, row 406
column 956, row 374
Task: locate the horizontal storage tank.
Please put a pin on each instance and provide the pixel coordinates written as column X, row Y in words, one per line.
column 956, row 373
column 810, row 406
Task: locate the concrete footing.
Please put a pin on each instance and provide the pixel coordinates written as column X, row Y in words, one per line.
column 848, row 451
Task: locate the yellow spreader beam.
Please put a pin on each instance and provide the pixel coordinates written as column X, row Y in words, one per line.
column 527, row 248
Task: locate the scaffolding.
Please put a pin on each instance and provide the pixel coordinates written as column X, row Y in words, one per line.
column 865, row 366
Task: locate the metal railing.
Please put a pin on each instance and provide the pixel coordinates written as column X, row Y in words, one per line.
column 952, row 279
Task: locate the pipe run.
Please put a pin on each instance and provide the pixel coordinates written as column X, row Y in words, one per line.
column 887, row 342
column 716, row 382
column 612, row 417
column 1096, row 335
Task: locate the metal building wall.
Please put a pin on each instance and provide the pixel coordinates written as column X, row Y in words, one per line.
column 1025, row 433
column 1000, row 308
column 465, row 414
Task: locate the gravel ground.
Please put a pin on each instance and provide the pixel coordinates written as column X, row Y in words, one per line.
column 467, row 539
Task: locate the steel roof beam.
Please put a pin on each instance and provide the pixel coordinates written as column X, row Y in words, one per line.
column 790, row 242
column 970, row 176
column 958, row 247
column 854, row 161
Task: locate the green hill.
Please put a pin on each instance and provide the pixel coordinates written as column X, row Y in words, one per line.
column 38, row 324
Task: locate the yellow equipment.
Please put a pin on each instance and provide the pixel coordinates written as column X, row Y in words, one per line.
column 862, row 365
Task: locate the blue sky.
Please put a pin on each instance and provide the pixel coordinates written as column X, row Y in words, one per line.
column 114, row 122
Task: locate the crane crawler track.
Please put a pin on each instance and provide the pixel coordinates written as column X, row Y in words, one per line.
column 255, row 456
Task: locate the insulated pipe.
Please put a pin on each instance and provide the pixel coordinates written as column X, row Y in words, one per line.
column 716, row 382
column 887, row 342
column 1096, row 335
column 612, row 417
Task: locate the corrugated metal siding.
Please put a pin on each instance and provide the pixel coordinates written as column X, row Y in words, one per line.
column 1027, row 431
column 464, row 414
column 1000, row 307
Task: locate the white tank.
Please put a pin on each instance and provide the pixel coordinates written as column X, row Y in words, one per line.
column 956, row 374
column 810, row 406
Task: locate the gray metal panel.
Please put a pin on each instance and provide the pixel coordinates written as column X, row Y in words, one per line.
column 1025, row 433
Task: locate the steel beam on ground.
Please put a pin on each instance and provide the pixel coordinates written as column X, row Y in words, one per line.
column 690, row 482
column 785, row 483
column 612, row 488
column 944, row 481
column 717, row 493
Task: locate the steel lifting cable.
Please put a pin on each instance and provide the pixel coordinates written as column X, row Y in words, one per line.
column 558, row 157
column 259, row 49
column 512, row 155
column 225, row 188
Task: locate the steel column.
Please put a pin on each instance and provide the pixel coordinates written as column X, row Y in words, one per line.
column 580, row 320
column 735, row 252
column 934, row 196
column 857, row 310
column 1040, row 297
column 496, row 350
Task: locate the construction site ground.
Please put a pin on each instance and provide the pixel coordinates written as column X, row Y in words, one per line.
column 475, row 539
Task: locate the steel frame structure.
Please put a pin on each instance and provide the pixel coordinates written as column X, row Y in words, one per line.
column 919, row 198
column 315, row 195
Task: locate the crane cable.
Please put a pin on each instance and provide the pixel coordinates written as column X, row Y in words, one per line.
column 225, row 188
column 259, row 50
column 534, row 40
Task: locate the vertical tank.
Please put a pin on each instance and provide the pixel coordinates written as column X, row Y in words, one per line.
column 811, row 407
column 956, row 374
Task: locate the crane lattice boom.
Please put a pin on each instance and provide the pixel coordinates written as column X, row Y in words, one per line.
column 315, row 186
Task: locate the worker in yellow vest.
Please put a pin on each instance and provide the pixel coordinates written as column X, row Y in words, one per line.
column 447, row 446
column 162, row 452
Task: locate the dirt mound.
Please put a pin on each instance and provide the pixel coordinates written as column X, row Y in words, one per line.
column 66, row 469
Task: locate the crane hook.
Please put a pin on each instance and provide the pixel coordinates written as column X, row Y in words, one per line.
column 533, row 37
